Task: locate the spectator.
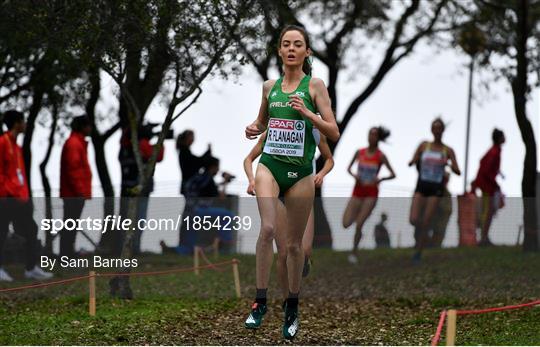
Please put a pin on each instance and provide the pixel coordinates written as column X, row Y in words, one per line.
column 190, row 164
column 75, row 179
column 492, row 197
column 201, row 192
column 202, row 184
column 382, row 238
column 15, row 202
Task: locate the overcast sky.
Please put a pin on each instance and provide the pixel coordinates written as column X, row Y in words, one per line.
column 418, row 89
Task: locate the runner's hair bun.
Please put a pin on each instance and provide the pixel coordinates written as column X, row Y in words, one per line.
column 383, row 133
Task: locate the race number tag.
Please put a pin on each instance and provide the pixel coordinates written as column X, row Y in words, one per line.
column 432, row 166
column 285, row 137
column 367, row 173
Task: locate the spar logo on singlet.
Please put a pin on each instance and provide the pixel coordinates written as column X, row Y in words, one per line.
column 277, row 123
column 285, row 137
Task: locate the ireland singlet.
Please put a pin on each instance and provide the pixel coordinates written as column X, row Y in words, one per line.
column 290, row 137
column 290, row 145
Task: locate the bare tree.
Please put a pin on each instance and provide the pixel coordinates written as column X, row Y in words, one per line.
column 195, row 42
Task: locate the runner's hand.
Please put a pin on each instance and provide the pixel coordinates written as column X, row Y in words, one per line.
column 297, row 103
column 318, row 180
column 253, row 130
column 251, row 188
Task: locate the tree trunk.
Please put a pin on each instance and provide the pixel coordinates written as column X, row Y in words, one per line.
column 45, row 180
column 322, row 237
column 144, row 94
column 519, row 90
column 105, row 242
column 332, row 86
column 98, row 141
column 120, row 285
column 30, row 126
column 323, row 233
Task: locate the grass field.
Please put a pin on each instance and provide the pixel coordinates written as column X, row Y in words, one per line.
column 382, row 300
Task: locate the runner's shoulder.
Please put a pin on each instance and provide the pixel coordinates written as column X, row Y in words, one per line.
column 316, row 83
column 268, row 84
column 449, row 150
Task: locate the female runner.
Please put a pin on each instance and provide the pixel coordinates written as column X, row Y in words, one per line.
column 431, row 159
column 288, row 112
column 365, row 193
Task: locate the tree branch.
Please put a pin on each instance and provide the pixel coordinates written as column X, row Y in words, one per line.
column 111, row 131
column 188, row 105
column 497, row 6
column 177, row 100
column 347, row 27
column 261, row 67
column 428, row 30
column 385, row 66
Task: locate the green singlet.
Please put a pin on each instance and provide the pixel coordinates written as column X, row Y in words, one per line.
column 289, row 146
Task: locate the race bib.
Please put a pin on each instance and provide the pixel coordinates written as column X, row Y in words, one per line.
column 285, row 137
column 367, row 173
column 432, row 166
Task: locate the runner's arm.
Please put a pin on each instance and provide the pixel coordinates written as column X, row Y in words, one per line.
column 327, row 122
column 389, row 167
column 248, row 164
column 453, row 162
column 259, row 125
column 327, row 155
column 349, row 169
column 416, row 156
column 328, row 161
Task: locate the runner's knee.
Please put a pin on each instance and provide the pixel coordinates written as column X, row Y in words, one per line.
column 346, row 222
column 294, row 249
column 268, row 232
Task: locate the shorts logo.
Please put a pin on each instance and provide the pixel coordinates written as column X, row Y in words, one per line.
column 292, row 174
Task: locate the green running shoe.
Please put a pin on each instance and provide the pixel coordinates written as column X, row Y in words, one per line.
column 255, row 318
column 290, row 326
